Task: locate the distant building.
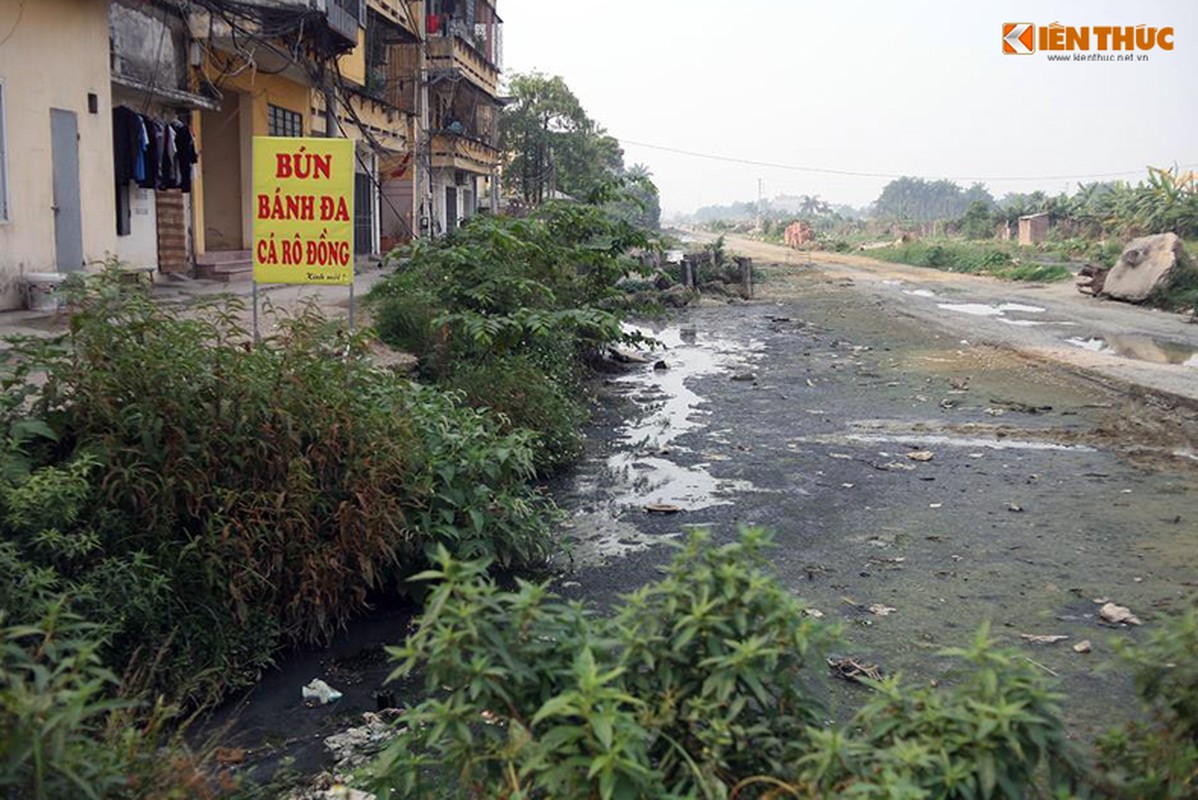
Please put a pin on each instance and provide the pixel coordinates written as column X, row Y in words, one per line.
column 1033, row 229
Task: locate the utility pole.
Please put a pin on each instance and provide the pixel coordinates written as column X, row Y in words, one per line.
column 760, row 185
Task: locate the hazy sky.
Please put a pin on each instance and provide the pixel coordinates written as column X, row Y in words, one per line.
column 918, row 87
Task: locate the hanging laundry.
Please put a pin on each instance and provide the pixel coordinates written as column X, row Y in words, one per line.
column 185, row 153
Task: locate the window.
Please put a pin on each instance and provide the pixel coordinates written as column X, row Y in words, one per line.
column 3, row 160
column 282, row 122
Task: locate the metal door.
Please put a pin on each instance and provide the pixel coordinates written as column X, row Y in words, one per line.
column 363, row 214
column 68, row 217
column 451, row 208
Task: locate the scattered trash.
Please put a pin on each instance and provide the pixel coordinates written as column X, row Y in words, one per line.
column 662, row 508
column 848, row 485
column 627, row 356
column 844, row 456
column 744, row 377
column 1014, row 507
column 921, row 455
column 1118, row 615
column 935, row 505
column 995, row 412
column 230, row 755
column 1016, row 405
column 319, row 693
column 879, row 610
column 1082, row 647
column 1036, row 638
column 814, row 613
column 356, row 746
column 851, row 669
column 893, row 465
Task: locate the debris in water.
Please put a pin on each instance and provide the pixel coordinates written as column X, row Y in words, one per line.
column 853, row 670
column 319, row 693
column 230, row 755
column 1118, row 615
column 1036, row 638
column 1082, row 647
column 355, row 746
column 922, row 455
column 935, row 505
column 662, row 508
column 627, row 356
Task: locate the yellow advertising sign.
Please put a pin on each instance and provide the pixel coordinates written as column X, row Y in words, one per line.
column 303, row 210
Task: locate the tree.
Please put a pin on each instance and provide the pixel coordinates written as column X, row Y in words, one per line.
column 550, row 144
column 641, row 203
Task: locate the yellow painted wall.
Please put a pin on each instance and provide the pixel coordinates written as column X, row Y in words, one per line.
column 353, row 63
column 252, row 93
column 56, row 53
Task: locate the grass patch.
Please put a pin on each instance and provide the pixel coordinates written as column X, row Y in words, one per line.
column 971, row 258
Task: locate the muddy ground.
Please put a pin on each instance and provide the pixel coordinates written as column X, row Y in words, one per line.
column 1049, row 487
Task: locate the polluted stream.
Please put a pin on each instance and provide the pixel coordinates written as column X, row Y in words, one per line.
column 917, row 487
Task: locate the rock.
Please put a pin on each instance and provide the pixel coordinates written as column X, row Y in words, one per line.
column 1091, row 278
column 1038, row 638
column 1083, row 646
column 744, row 377
column 922, row 455
column 662, row 281
column 1118, row 615
column 677, row 296
column 1148, row 264
column 660, row 365
column 397, row 360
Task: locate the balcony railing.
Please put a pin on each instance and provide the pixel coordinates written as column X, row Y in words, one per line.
column 346, row 17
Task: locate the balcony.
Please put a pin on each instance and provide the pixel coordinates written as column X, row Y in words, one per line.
column 453, row 53
column 456, row 151
column 344, row 18
column 398, row 13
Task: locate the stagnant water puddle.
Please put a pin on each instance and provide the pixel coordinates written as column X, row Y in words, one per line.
column 647, row 465
column 1139, row 348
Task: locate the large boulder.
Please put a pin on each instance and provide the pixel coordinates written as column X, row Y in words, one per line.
column 1148, row 264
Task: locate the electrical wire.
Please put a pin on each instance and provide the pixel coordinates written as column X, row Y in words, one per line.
column 858, row 174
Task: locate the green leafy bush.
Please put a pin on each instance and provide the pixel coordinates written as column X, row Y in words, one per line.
column 701, row 685
column 1159, row 758
column 208, row 500
column 510, row 310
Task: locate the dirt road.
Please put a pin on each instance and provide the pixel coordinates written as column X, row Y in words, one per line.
column 1139, row 346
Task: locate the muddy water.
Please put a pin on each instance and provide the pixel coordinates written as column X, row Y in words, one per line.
column 1139, row 348
column 646, row 465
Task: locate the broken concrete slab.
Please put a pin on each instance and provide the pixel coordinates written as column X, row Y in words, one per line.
column 1148, row 264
